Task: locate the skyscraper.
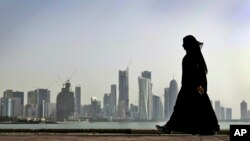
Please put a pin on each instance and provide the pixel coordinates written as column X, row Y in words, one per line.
column 20, row 95
column 113, row 100
column 78, row 100
column 123, row 103
column 146, row 74
column 107, row 105
column 43, row 97
column 157, row 108
column 134, row 111
column 13, row 103
column 32, row 97
column 95, row 109
column 228, row 113
column 166, row 103
column 218, row 109
column 173, row 91
column 222, row 110
column 145, row 98
column 243, row 109
column 248, row 114
column 65, row 105
column 31, row 108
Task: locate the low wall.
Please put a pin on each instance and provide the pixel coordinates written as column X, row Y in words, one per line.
column 92, row 131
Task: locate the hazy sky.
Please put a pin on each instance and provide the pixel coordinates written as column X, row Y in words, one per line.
column 44, row 41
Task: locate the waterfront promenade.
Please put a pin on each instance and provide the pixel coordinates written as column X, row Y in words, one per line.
column 72, row 137
column 103, row 135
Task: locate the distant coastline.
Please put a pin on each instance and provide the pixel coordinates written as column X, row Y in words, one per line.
column 92, row 121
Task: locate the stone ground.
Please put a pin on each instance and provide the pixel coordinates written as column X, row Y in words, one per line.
column 107, row 137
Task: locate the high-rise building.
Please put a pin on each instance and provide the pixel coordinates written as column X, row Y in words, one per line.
column 170, row 95
column 86, row 109
column 243, row 109
column 43, row 98
column 31, row 108
column 32, row 97
column 12, row 103
column 65, row 105
column 78, row 100
column 107, row 105
column 166, row 103
column 7, row 107
column 218, row 110
column 134, row 111
column 51, row 111
column 222, row 110
column 157, row 108
column 173, row 91
column 228, row 113
column 146, row 74
column 248, row 114
column 123, row 103
column 95, row 109
column 20, row 95
column 145, row 99
column 113, row 100
column 11, row 107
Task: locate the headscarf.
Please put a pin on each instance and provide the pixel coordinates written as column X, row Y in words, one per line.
column 193, row 47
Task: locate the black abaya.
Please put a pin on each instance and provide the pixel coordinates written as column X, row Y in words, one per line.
column 193, row 112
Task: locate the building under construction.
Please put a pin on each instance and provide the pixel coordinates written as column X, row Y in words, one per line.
column 65, row 105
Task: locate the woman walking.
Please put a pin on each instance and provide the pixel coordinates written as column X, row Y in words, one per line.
column 193, row 112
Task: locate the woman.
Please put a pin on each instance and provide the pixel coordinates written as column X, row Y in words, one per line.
column 193, row 112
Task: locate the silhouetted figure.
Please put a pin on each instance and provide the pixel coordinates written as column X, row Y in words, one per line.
column 193, row 112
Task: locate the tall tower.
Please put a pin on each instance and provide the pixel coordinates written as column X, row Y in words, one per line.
column 157, row 108
column 228, row 113
column 166, row 103
column 42, row 95
column 14, row 102
column 95, row 108
column 218, row 109
column 145, row 99
column 113, row 100
column 146, row 74
column 78, row 100
column 243, row 109
column 173, row 91
column 123, row 103
column 65, row 105
column 145, row 96
column 222, row 110
column 32, row 97
column 107, row 105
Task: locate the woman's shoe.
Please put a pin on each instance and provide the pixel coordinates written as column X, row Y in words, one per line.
column 163, row 129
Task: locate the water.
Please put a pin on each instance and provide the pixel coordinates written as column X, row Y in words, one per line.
column 100, row 125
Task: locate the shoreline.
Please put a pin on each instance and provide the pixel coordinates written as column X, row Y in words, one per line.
column 93, row 131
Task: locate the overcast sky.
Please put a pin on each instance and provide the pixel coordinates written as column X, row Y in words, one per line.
column 44, row 41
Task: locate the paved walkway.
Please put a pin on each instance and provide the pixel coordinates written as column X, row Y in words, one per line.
column 116, row 137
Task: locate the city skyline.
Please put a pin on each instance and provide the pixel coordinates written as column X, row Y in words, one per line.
column 44, row 41
column 43, row 95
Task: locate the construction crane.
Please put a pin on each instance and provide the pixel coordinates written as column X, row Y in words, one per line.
column 71, row 76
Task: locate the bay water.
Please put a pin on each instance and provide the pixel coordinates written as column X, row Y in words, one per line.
column 102, row 125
